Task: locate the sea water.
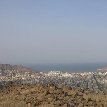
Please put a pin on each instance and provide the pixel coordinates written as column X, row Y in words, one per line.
column 84, row 67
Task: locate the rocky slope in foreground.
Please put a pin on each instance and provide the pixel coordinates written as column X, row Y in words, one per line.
column 50, row 96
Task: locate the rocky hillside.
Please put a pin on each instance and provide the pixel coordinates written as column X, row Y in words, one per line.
column 50, row 96
column 13, row 67
column 7, row 69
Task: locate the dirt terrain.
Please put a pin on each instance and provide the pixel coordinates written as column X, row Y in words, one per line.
column 50, row 96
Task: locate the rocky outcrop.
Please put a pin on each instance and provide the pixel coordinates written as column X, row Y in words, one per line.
column 50, row 96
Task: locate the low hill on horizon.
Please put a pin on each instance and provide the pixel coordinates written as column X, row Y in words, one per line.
column 8, row 69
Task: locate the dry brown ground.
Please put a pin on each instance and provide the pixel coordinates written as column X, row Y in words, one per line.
column 50, row 96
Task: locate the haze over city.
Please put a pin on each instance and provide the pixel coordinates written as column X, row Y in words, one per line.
column 53, row 31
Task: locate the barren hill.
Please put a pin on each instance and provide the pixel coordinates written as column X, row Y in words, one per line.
column 7, row 69
column 13, row 67
column 50, row 96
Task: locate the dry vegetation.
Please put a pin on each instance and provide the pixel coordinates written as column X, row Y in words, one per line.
column 50, row 96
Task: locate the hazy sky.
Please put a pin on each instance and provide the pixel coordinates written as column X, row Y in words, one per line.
column 53, row 31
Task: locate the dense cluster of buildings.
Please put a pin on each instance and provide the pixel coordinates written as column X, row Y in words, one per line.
column 96, row 81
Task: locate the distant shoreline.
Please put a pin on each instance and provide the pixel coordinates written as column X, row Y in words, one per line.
column 85, row 67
